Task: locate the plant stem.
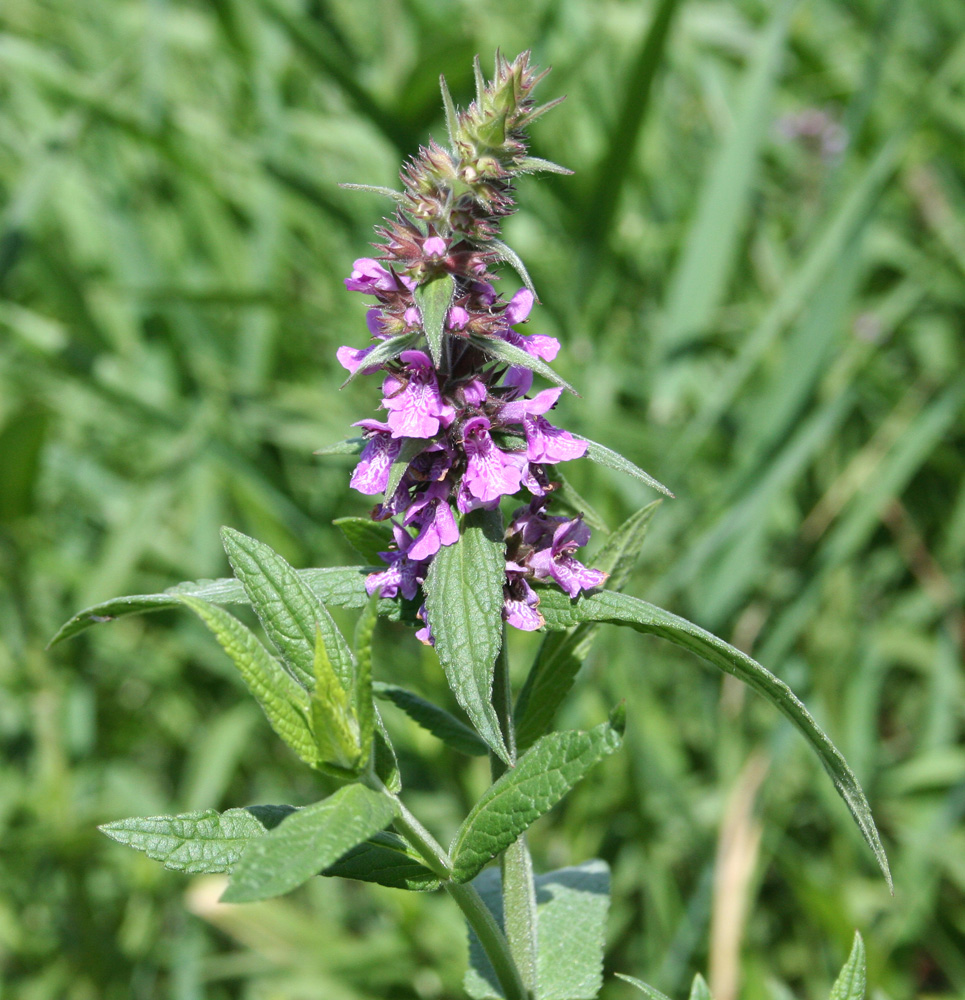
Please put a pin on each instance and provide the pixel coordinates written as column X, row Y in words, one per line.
column 516, row 865
column 477, row 914
column 492, row 939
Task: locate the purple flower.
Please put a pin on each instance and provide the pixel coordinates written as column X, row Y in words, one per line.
column 490, row 472
column 370, row 276
column 434, row 247
column 431, row 514
column 518, row 310
column 556, row 561
column 371, row 475
column 404, row 575
column 416, row 407
column 520, row 600
column 544, row 442
column 351, row 359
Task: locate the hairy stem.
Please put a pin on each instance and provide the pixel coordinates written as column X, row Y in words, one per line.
column 516, row 866
column 478, row 915
column 492, row 939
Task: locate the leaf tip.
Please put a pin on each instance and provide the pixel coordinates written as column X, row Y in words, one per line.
column 618, row 718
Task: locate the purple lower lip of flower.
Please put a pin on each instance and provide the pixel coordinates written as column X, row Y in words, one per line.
column 537, row 345
column 520, row 601
column 416, row 407
column 351, row 359
column 571, row 575
column 431, row 513
column 490, row 472
column 371, row 475
column 369, row 276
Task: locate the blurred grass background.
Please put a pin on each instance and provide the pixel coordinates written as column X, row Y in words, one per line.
column 757, row 274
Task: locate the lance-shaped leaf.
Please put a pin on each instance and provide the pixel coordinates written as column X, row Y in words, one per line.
column 541, row 777
column 387, row 860
column 621, row 609
column 410, row 448
column 385, row 350
column 561, row 654
column 646, row 990
column 612, row 460
column 699, row 990
column 334, row 723
column 366, row 536
column 351, row 446
column 433, row 298
column 442, row 724
column 464, row 599
column 384, row 759
column 201, row 843
column 502, row 350
column 283, row 701
column 308, row 841
column 536, row 165
column 363, row 697
column 342, row 587
column 508, row 255
column 572, row 905
column 288, row 610
column 852, row 980
column 396, row 196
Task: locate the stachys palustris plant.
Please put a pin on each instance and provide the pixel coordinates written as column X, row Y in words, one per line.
column 464, row 434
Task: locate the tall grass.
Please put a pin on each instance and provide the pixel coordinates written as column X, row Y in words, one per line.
column 757, row 272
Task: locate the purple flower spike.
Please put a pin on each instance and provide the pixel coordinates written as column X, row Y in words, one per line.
column 371, row 475
column 557, row 563
column 416, row 407
column 490, row 473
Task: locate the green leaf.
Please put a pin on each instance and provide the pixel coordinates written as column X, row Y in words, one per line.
column 464, row 600
column 513, row 355
column 507, row 255
column 620, row 609
column 561, row 654
column 452, row 119
column 203, row 842
column 567, row 500
column 342, row 586
column 605, row 456
column 699, row 990
column 334, row 724
column 281, row 698
column 384, row 759
column 387, row 860
column 351, row 446
column 852, row 980
column 648, row 991
column 541, row 777
column 535, row 165
column 572, row 906
column 366, row 536
column 396, row 196
column 410, row 448
column 288, row 610
column 363, row 701
column 443, row 725
column 386, row 350
column 308, row 841
column 433, row 299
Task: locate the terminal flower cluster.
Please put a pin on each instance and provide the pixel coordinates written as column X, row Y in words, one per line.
column 465, row 426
